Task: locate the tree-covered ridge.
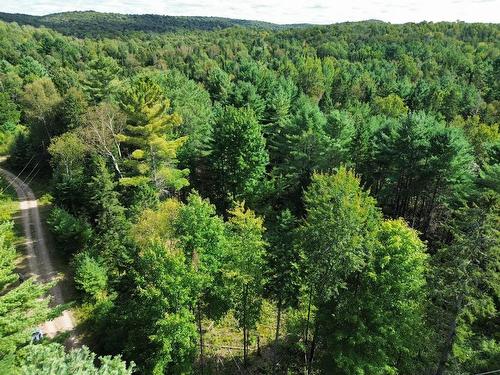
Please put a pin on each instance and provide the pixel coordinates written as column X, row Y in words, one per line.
column 317, row 200
column 96, row 24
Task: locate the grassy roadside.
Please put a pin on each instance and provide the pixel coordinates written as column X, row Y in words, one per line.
column 8, row 200
column 40, row 185
column 10, row 211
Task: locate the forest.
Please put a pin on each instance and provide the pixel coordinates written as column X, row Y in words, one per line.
column 257, row 200
column 96, row 24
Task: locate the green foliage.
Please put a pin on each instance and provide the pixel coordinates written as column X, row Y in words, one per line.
column 466, row 283
column 309, row 144
column 368, row 273
column 96, row 25
column 99, row 78
column 277, row 118
column 163, row 334
column 30, row 69
column 23, row 304
column 392, row 106
column 418, row 165
column 9, row 114
column 149, row 138
column 73, row 107
column 340, row 220
column 283, row 266
column 9, row 120
column 107, row 216
column 67, row 156
column 238, row 155
column 40, row 100
column 311, row 79
column 482, row 137
column 244, row 267
column 192, row 103
column 218, row 84
column 90, row 275
column 51, row 358
column 201, row 236
column 71, row 233
column 379, row 325
column 262, row 116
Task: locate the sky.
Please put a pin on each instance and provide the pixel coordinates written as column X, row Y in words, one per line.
column 280, row 11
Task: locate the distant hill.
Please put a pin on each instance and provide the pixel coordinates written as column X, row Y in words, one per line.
column 95, row 24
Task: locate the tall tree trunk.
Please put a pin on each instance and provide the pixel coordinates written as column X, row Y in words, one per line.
column 414, row 212
column 431, row 207
column 245, row 359
column 245, row 330
column 200, row 332
column 278, row 320
column 115, row 165
column 306, row 333
column 313, row 347
column 397, row 198
column 448, row 346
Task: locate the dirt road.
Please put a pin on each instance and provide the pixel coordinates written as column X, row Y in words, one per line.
column 38, row 256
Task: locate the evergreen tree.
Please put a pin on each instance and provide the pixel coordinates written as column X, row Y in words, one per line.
column 23, row 304
column 100, row 74
column 277, row 119
column 306, row 149
column 465, row 283
column 238, row 157
column 148, row 138
column 9, row 113
column 107, row 216
column 52, row 359
column 192, row 102
column 418, row 167
column 73, row 107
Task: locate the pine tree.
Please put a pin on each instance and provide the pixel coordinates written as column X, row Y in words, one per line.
column 72, row 110
column 465, row 281
column 238, row 157
column 111, row 240
column 148, row 138
column 277, row 119
column 23, row 305
column 52, row 359
column 98, row 83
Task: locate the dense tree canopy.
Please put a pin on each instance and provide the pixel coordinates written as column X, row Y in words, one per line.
column 314, row 199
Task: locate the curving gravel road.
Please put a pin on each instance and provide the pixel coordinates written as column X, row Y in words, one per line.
column 38, row 256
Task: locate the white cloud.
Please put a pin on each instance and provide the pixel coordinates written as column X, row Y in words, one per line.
column 280, row 11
